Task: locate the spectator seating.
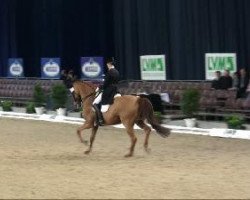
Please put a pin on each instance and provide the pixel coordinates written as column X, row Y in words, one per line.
column 20, row 91
column 212, row 102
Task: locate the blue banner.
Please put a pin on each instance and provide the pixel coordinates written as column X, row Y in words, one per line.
column 50, row 68
column 15, row 67
column 92, row 67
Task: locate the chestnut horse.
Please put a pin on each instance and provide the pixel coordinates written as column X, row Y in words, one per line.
column 128, row 110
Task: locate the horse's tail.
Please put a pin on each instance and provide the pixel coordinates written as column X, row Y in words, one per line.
column 146, row 111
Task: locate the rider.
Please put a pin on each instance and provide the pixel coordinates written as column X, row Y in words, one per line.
column 109, row 90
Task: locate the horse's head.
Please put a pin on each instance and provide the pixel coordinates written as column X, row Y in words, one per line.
column 83, row 91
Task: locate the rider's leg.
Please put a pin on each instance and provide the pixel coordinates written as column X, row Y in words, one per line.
column 100, row 119
column 97, row 101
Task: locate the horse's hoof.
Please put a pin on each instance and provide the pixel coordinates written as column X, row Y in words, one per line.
column 148, row 150
column 128, row 155
column 87, row 152
column 84, row 142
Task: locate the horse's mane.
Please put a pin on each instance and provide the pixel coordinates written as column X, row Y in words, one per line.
column 90, row 84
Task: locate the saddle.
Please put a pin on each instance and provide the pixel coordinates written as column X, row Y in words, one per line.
column 99, row 109
column 104, row 108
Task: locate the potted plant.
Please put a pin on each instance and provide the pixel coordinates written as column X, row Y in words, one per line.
column 39, row 99
column 30, row 107
column 190, row 105
column 60, row 97
column 158, row 116
column 235, row 122
column 6, row 105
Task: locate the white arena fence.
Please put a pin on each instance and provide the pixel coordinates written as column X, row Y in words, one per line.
column 217, row 132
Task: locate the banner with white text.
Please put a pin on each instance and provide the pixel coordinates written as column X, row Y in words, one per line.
column 50, row 68
column 92, row 68
column 15, row 67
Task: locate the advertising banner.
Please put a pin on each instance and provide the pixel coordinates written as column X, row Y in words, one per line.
column 50, row 68
column 153, row 67
column 219, row 62
column 15, row 67
column 92, row 68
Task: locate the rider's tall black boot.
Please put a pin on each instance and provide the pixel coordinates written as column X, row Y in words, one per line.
column 100, row 120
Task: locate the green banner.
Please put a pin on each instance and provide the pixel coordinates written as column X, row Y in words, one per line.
column 153, row 67
column 219, row 62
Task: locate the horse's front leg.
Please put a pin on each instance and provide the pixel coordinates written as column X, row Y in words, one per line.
column 86, row 125
column 92, row 138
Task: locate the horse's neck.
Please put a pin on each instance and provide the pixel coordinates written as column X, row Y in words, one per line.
column 88, row 102
column 87, row 107
column 86, row 99
column 86, row 93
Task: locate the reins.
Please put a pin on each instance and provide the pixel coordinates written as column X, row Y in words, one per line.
column 89, row 95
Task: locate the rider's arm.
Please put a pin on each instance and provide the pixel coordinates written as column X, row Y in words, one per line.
column 107, row 81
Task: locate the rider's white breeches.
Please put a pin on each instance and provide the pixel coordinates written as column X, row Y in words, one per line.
column 98, row 99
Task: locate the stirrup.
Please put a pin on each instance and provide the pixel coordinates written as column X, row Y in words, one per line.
column 100, row 122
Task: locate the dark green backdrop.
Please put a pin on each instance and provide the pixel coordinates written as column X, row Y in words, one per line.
column 182, row 29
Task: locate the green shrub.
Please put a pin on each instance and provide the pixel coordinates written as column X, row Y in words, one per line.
column 6, row 105
column 30, row 107
column 235, row 122
column 190, row 102
column 158, row 116
column 59, row 96
column 39, row 96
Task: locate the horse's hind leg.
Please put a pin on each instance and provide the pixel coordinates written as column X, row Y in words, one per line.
column 147, row 131
column 130, row 131
column 92, row 138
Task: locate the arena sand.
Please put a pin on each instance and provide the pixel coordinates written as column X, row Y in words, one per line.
column 45, row 160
